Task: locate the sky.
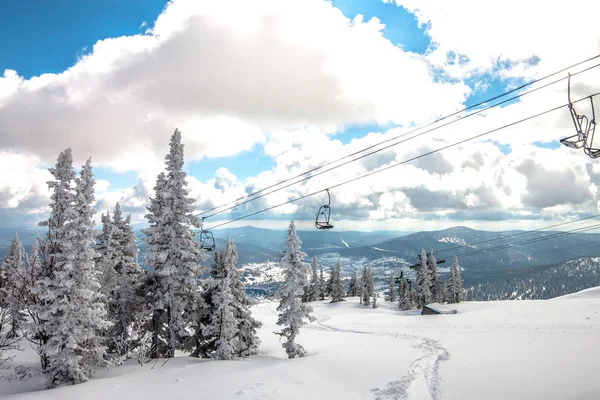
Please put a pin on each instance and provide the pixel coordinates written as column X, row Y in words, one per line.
column 266, row 90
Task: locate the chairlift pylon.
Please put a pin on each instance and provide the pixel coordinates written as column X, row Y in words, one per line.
column 584, row 127
column 322, row 217
column 207, row 240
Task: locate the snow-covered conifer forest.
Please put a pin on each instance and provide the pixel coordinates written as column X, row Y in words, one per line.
column 80, row 316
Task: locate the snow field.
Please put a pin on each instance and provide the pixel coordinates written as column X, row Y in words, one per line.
column 543, row 349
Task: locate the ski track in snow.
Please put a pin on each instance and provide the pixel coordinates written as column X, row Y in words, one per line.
column 422, row 381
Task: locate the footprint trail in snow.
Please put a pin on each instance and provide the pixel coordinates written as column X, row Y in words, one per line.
column 422, row 381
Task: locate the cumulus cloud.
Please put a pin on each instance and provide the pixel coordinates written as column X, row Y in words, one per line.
column 548, row 187
column 287, row 76
column 223, row 81
column 508, row 32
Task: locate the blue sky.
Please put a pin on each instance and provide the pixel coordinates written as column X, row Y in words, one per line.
column 48, row 37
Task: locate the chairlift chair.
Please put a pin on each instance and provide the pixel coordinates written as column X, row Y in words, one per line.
column 322, row 217
column 207, row 240
column 582, row 125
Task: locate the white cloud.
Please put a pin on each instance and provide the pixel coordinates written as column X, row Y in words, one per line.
column 486, row 32
column 22, row 181
column 225, row 81
column 286, row 75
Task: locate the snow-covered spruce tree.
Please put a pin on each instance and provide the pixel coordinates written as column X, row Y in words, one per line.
column 203, row 341
column 404, row 295
column 442, row 291
column 247, row 342
column 305, row 291
column 370, row 281
column 353, row 286
column 314, row 290
column 12, row 270
column 435, row 284
column 27, row 297
column 292, row 310
column 125, row 305
column 321, row 284
column 368, row 285
column 51, row 249
column 173, row 253
column 412, row 292
column 423, row 282
column 329, row 284
column 104, row 262
column 151, row 286
column 392, row 288
column 7, row 343
column 73, row 312
column 374, row 300
column 32, row 272
column 454, row 289
column 337, row 287
column 221, row 327
column 91, row 313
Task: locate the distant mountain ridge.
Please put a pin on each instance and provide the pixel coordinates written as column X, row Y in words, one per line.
column 485, row 256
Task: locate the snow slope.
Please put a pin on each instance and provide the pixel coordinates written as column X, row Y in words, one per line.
column 591, row 293
column 544, row 349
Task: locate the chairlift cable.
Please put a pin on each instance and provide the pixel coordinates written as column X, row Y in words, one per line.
column 398, row 142
column 521, row 257
column 407, row 133
column 516, row 234
column 508, row 245
column 528, row 241
column 405, row 161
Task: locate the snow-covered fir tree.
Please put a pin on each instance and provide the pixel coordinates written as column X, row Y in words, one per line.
column 368, row 285
column 321, row 284
column 27, row 297
column 353, row 286
column 370, row 281
column 329, row 284
column 104, row 262
column 454, row 288
column 392, row 287
column 91, row 313
column 412, row 291
column 247, row 342
column 157, row 247
column 435, row 282
column 292, row 311
column 12, row 270
column 314, row 290
column 173, row 253
column 33, row 270
column 125, row 308
column 337, row 285
column 374, row 300
column 222, row 326
column 203, row 341
column 423, row 282
column 8, row 343
column 52, row 250
column 73, row 312
column 442, row 291
column 405, row 296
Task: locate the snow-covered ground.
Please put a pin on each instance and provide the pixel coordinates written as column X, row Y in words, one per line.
column 546, row 349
